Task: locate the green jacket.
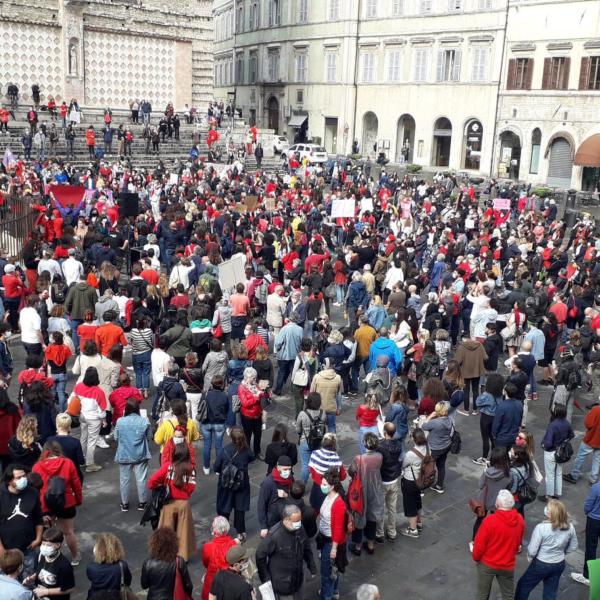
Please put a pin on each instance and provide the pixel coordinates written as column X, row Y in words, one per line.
column 81, row 297
column 178, row 340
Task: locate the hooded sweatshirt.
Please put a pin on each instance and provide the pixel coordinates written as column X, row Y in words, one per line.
column 327, row 383
column 93, row 401
column 387, row 347
column 491, row 481
column 498, row 539
column 471, row 357
column 60, row 466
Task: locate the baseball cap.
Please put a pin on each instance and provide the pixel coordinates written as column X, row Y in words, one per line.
column 236, row 554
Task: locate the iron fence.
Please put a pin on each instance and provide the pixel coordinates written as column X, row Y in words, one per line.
column 17, row 220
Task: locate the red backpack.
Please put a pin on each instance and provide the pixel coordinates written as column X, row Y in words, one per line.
column 356, row 499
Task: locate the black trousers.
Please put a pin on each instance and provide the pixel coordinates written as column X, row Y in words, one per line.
column 440, row 463
column 239, row 520
column 485, row 427
column 592, row 534
column 471, row 384
column 369, row 532
column 252, row 427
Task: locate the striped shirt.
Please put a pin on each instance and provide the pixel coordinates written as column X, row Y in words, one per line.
column 321, row 460
column 141, row 340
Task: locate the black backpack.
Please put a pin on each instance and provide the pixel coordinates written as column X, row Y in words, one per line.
column 55, row 495
column 232, row 478
column 316, row 432
column 574, row 380
column 59, row 294
column 564, row 452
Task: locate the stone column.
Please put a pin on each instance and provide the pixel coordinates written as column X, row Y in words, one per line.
column 71, row 19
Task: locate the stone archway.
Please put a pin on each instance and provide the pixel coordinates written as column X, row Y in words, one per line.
column 405, row 139
column 510, row 155
column 273, row 114
column 369, row 134
column 442, row 141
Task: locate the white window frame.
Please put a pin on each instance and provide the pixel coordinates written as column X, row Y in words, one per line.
column 254, row 15
column 301, row 67
column 425, row 7
column 448, row 65
column 302, row 11
column 485, row 4
column 393, row 66
column 275, row 13
column 480, row 56
column 333, row 10
column 397, row 8
column 253, row 59
column 273, row 65
column 368, row 66
column 371, row 9
column 421, row 64
column 455, row 6
column 331, row 60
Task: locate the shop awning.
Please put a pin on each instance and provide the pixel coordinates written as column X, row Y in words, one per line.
column 297, row 121
column 588, row 154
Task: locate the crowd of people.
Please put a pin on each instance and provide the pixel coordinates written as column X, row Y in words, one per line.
column 423, row 308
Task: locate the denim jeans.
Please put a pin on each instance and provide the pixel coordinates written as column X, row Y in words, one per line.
column 592, row 534
column 330, row 417
column 361, row 436
column 553, row 475
column 284, row 370
column 60, row 384
column 75, row 323
column 329, row 585
column 583, row 451
column 30, row 560
column 212, row 432
column 142, row 365
column 340, row 293
column 538, row 571
column 140, row 471
column 355, row 371
column 305, row 458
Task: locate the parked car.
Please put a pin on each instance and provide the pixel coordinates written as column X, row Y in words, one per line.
column 280, row 144
column 315, row 153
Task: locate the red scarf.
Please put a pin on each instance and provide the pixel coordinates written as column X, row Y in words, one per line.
column 279, row 480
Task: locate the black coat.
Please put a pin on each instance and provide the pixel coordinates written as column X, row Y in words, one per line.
column 276, row 449
column 226, row 499
column 270, row 505
column 280, row 557
column 158, row 577
column 493, row 346
column 391, row 465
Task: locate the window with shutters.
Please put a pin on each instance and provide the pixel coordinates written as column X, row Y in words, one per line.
column 454, row 5
column 301, row 67
column 334, row 10
column 556, row 73
column 393, row 58
column 425, row 7
column 302, row 11
column 254, row 14
column 273, row 65
column 479, row 58
column 331, row 66
column 521, row 73
column 253, row 67
column 420, row 66
column 368, row 67
column 239, row 18
column 397, row 8
column 484, row 4
column 593, row 82
column 239, row 69
column 274, row 13
column 448, row 65
column 371, row 9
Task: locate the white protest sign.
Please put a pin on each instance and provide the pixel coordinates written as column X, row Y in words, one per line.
column 232, row 272
column 342, row 208
column 366, row 204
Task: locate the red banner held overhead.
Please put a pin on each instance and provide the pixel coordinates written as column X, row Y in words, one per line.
column 68, row 195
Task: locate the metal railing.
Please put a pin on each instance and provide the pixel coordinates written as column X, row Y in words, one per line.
column 17, row 220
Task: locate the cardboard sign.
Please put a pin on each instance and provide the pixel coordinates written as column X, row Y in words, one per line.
column 270, row 204
column 251, row 203
column 343, row 208
column 469, row 224
column 241, row 208
column 501, row 203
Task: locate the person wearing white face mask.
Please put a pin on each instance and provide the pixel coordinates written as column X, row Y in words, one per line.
column 54, row 574
column 274, row 491
column 281, row 554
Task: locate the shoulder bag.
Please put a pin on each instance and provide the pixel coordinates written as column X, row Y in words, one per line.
column 125, row 591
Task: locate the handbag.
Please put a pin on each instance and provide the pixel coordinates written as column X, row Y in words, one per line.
column 356, row 500
column 179, row 592
column 509, row 331
column 125, row 591
column 202, row 413
column 330, row 290
column 525, row 492
column 301, row 376
column 564, row 452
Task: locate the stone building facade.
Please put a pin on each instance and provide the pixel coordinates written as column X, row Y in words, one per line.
column 107, row 53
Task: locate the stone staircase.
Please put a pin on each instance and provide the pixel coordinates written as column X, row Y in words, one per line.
column 169, row 151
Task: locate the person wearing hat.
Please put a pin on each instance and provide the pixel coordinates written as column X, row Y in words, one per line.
column 274, row 491
column 281, row 554
column 231, row 583
column 14, row 289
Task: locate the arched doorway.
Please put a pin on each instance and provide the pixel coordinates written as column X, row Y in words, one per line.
column 536, row 144
column 273, row 114
column 369, row 136
column 560, row 164
column 442, row 140
column 510, row 155
column 405, row 139
column 472, row 145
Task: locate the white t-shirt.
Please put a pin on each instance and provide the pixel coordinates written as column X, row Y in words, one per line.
column 30, row 323
column 160, row 359
column 72, row 269
column 122, row 303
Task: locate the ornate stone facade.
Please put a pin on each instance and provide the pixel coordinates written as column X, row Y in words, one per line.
column 107, row 52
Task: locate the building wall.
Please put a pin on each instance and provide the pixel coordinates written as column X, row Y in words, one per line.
column 109, row 52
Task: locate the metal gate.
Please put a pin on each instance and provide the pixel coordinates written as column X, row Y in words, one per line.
column 560, row 164
column 17, row 220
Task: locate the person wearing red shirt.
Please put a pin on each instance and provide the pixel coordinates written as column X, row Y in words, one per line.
column 90, row 140
column 34, row 372
column 150, row 276
column 121, row 394
column 332, row 527
column 53, row 463
column 14, row 288
column 559, row 310
column 109, row 334
column 252, row 341
column 366, row 415
column 250, row 397
column 214, row 553
column 4, row 117
column 180, row 477
column 87, row 330
column 180, row 300
column 9, row 420
column 496, row 545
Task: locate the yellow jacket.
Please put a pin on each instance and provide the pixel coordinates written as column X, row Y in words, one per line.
column 167, row 428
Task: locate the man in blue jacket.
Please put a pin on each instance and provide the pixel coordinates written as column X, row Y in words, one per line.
column 383, row 346
column 507, row 419
column 591, row 508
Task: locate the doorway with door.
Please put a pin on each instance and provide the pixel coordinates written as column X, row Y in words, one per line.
column 405, row 139
column 273, row 114
column 331, row 133
column 442, row 142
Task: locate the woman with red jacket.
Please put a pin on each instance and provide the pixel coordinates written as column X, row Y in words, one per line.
column 180, row 436
column 366, row 415
column 332, row 534
column 250, row 397
column 52, row 464
column 180, row 477
column 119, row 397
column 214, row 553
column 14, row 289
column 9, row 421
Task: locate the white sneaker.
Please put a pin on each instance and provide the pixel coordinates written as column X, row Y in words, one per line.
column 101, row 443
column 206, row 471
column 471, row 547
column 463, row 412
column 579, row 578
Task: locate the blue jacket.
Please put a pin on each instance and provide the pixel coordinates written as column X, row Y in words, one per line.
column 287, row 342
column 377, row 315
column 385, row 346
column 132, row 434
column 337, row 354
column 507, row 422
column 357, row 295
column 591, row 507
column 436, row 274
column 486, row 403
column 557, row 432
column 398, row 415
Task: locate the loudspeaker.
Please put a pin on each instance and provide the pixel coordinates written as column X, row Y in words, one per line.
column 129, row 204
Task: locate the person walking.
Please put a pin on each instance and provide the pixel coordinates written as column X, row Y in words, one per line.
column 250, row 397
column 496, row 546
column 391, row 450
column 440, row 427
column 232, row 496
column 591, row 508
column 282, row 553
column 287, row 348
column 305, row 367
column 310, row 419
column 132, row 434
column 550, row 543
column 367, row 415
column 367, row 466
column 411, row 493
column 274, row 490
column 327, row 383
column 214, row 553
column 507, row 418
column 213, row 424
column 559, row 431
column 589, row 445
